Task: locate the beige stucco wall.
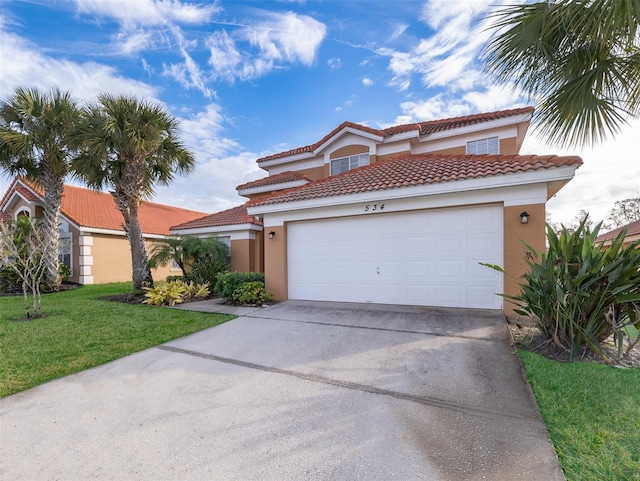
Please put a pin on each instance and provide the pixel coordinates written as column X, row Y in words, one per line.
column 275, row 262
column 112, row 260
column 349, row 150
column 246, row 254
column 515, row 252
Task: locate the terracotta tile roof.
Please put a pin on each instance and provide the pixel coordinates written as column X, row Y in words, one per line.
column 234, row 216
column 282, row 178
column 633, row 228
column 424, row 128
column 91, row 209
column 4, row 216
column 417, row 169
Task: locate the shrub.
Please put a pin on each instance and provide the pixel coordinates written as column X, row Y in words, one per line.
column 251, row 293
column 64, row 272
column 579, row 292
column 228, row 282
column 174, row 292
column 9, row 280
column 207, row 271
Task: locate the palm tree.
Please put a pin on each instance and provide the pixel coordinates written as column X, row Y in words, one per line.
column 202, row 257
column 170, row 249
column 577, row 59
column 35, row 143
column 129, row 146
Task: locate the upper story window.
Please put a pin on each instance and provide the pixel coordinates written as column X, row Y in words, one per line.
column 348, row 163
column 490, row 145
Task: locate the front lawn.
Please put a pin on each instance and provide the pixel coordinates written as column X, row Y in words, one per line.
column 80, row 331
column 592, row 413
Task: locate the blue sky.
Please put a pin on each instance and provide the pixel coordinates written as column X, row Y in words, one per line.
column 247, row 79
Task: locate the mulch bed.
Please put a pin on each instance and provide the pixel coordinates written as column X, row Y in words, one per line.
column 531, row 339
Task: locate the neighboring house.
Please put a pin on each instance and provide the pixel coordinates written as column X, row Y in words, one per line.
column 92, row 239
column 632, row 235
column 401, row 215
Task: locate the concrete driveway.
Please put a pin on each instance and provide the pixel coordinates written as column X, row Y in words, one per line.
column 296, row 391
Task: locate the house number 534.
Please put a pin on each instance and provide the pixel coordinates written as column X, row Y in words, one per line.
column 373, row 207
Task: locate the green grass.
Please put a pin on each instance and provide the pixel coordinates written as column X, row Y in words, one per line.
column 79, row 331
column 592, row 413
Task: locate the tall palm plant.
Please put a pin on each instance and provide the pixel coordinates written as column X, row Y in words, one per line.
column 579, row 60
column 35, row 132
column 129, row 146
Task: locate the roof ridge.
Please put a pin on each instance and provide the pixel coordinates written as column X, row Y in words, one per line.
column 419, row 126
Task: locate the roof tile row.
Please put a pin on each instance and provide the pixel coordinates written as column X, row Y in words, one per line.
column 417, row 169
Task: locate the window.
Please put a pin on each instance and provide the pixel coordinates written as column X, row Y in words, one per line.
column 490, row 145
column 64, row 251
column 348, row 163
column 64, row 244
column 226, row 240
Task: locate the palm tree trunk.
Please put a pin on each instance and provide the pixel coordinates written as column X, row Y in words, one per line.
column 128, row 206
column 53, row 190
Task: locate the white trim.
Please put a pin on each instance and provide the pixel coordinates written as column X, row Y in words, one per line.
column 272, row 187
column 85, row 240
column 92, row 230
column 85, row 280
column 284, row 160
column 86, row 260
column 513, row 195
column 236, row 232
column 408, row 135
column 518, row 179
column 483, row 125
column 311, row 163
column 24, row 208
column 347, row 130
column 20, row 196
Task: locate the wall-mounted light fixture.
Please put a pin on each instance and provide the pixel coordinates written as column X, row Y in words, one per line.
column 524, row 217
column 272, row 234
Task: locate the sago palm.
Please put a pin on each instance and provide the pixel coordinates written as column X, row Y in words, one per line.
column 129, row 146
column 34, row 143
column 578, row 60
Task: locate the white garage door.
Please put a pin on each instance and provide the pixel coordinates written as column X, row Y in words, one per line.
column 428, row 258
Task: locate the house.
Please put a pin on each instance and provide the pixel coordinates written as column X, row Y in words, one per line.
column 92, row 239
column 633, row 233
column 400, row 215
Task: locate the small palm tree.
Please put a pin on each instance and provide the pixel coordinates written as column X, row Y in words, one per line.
column 579, row 60
column 129, row 146
column 170, row 249
column 35, row 132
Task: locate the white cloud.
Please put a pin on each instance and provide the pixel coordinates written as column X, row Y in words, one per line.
column 221, row 165
column 367, row 82
column 338, row 109
column 609, row 173
column 434, row 108
column 398, row 31
column 25, row 64
column 334, row 63
column 286, row 37
column 149, row 12
column 224, row 57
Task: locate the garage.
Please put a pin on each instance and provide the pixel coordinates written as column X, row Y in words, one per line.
column 426, row 257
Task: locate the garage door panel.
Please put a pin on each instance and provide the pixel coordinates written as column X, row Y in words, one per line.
column 447, row 244
column 423, row 270
column 450, row 295
column 420, row 247
column 421, row 258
